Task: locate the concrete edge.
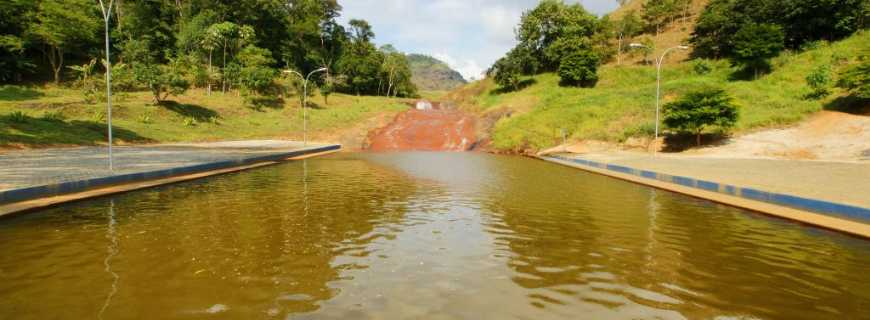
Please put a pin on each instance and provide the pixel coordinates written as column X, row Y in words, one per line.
column 746, row 198
column 24, row 199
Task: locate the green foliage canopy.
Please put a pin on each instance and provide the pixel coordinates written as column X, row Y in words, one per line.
column 699, row 110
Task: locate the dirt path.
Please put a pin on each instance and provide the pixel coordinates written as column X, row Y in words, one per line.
column 426, row 130
column 827, row 135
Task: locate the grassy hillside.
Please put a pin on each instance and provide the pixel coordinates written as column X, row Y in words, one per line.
column 430, row 74
column 47, row 116
column 622, row 103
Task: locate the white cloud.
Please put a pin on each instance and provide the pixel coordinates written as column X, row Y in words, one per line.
column 468, row 68
column 472, row 34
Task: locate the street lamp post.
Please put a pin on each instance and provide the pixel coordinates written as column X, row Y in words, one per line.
column 107, row 15
column 659, row 78
column 304, row 96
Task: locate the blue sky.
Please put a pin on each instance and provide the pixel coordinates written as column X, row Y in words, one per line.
column 467, row 34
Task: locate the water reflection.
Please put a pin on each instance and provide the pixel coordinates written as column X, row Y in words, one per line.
column 112, row 251
column 422, row 235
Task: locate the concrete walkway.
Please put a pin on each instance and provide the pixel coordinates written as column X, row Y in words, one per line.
column 839, row 182
column 52, row 167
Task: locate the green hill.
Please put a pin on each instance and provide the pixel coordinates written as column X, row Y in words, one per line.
column 622, row 103
column 432, row 74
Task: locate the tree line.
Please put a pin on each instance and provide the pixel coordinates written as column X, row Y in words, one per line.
column 168, row 46
column 567, row 39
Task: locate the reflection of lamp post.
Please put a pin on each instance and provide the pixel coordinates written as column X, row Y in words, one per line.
column 305, row 95
column 658, row 78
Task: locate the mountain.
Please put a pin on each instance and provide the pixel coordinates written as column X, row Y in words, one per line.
column 429, row 73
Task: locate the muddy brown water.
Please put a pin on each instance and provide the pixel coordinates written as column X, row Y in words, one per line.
column 422, row 236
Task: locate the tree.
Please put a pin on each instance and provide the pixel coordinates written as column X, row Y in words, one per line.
column 699, row 110
column 15, row 19
column 627, row 27
column 256, row 74
column 161, row 80
column 507, row 73
column 856, row 79
column 62, row 24
column 801, row 21
column 361, row 30
column 551, row 20
column 579, row 69
column 755, row 44
column 657, row 12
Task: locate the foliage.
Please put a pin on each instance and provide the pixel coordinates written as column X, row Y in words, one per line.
column 548, row 35
column 63, row 25
column 161, row 80
column 702, row 66
column 820, row 80
column 756, row 44
column 542, row 27
column 699, row 110
column 801, row 21
column 86, row 82
column 507, row 72
column 856, row 79
column 579, row 69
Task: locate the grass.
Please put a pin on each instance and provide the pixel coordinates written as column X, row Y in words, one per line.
column 33, row 116
column 623, row 102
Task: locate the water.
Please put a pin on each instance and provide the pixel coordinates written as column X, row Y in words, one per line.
column 422, row 236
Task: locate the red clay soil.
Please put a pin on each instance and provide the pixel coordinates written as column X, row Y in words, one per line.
column 426, row 130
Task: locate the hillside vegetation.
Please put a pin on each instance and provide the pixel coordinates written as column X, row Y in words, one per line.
column 51, row 116
column 621, row 105
column 431, row 74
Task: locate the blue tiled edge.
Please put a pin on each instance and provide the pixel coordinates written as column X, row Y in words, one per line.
column 30, row 193
column 818, row 206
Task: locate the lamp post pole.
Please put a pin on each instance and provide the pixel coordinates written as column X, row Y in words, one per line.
column 658, row 79
column 304, row 96
column 107, row 15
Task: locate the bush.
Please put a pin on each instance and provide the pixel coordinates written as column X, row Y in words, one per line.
column 18, row 117
column 699, row 110
column 579, row 69
column 820, row 80
column 702, row 66
column 856, row 80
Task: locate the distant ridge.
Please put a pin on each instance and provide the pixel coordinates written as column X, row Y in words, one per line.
column 429, row 73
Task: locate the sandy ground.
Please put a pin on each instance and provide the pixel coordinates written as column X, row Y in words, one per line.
column 827, row 135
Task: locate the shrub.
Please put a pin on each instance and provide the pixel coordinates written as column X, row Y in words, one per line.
column 699, row 110
column 820, row 80
column 856, row 79
column 579, row 69
column 18, row 117
column 702, row 66
column 54, row 116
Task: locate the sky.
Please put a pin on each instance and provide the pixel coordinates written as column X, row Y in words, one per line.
column 469, row 35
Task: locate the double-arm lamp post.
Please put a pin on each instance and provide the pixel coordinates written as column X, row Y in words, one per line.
column 304, row 96
column 658, row 78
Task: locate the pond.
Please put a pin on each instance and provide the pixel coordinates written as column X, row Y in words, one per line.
column 422, row 236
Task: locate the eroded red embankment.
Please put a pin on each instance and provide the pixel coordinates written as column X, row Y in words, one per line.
column 426, row 130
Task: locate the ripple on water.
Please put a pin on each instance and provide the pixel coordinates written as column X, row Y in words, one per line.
column 424, row 235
